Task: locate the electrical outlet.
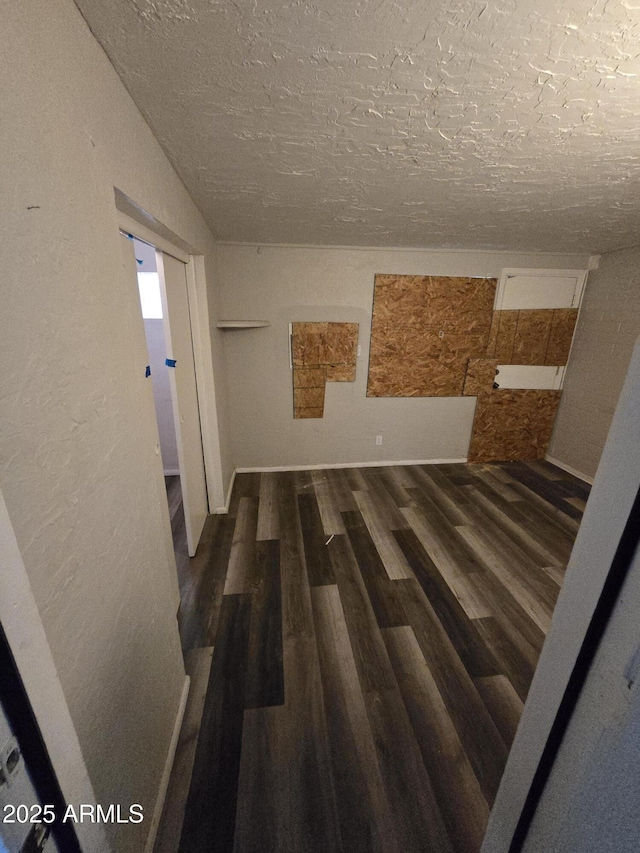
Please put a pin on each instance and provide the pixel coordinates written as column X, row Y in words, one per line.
column 378, row 439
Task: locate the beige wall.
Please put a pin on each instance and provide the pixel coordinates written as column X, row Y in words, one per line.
column 590, row 802
column 77, row 467
column 608, row 327
column 285, row 284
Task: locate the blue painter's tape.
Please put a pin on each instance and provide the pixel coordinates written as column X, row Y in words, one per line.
column 147, row 372
column 139, row 261
column 170, row 362
column 129, row 236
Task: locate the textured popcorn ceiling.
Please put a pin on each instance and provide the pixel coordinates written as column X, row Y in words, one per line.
column 438, row 123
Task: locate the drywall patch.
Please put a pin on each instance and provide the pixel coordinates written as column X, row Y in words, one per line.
column 321, row 352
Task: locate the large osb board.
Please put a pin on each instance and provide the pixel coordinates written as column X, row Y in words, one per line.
column 321, row 352
column 424, row 330
column 513, row 425
column 532, row 336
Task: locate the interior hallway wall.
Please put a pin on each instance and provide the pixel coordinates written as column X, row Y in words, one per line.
column 76, row 466
column 608, row 327
column 286, row 284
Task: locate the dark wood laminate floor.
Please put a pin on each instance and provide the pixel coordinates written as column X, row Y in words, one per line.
column 375, row 633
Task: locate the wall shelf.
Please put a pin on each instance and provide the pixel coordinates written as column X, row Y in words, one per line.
column 242, row 324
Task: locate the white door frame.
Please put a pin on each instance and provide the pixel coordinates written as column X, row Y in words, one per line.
column 178, row 336
column 202, row 354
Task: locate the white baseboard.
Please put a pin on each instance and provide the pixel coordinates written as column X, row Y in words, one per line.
column 570, row 470
column 171, row 472
column 223, row 510
column 377, row 464
column 168, row 765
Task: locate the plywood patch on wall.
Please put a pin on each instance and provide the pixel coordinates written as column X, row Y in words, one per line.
column 506, row 336
column 438, row 336
column 532, row 337
column 512, row 425
column 481, row 373
column 561, row 335
column 321, row 352
column 424, row 330
column 540, row 336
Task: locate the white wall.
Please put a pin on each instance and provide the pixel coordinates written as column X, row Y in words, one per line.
column 285, row 284
column 76, row 466
column 591, row 801
column 607, row 330
column 606, row 717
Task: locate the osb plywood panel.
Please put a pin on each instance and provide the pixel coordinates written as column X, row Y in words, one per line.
column 424, row 365
column 493, row 334
column 308, row 413
column 321, row 352
column 560, row 336
column 481, row 374
column 309, row 377
column 424, row 329
column 424, row 301
column 308, row 391
column 506, row 335
column 512, row 425
column 341, row 344
column 341, row 373
column 324, row 344
column 309, row 398
column 532, row 337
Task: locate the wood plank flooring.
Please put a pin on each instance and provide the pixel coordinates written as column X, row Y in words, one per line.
column 375, row 633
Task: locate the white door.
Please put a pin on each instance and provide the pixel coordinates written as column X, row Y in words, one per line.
column 529, row 376
column 539, row 289
column 182, row 377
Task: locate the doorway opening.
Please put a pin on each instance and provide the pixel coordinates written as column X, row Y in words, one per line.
column 153, row 316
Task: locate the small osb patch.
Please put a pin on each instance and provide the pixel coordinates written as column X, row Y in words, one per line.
column 341, row 344
column 540, row 336
column 560, row 336
column 321, row 352
column 493, row 334
column 532, row 337
column 481, row 374
column 424, row 330
column 309, row 398
column 309, row 377
column 507, row 325
column 308, row 413
column 341, row 373
column 513, row 425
